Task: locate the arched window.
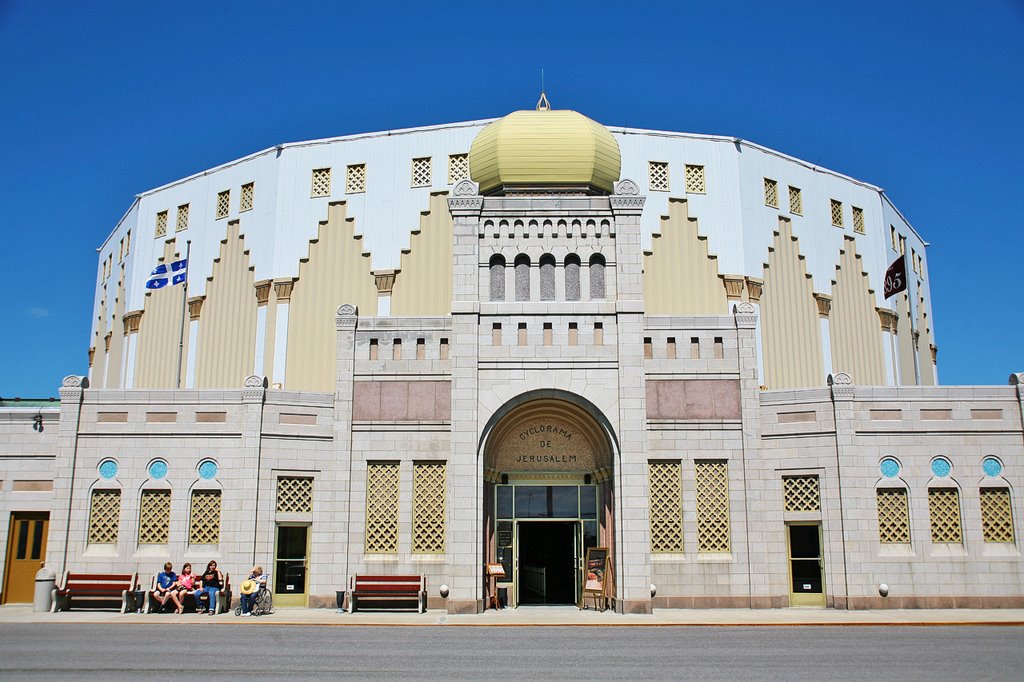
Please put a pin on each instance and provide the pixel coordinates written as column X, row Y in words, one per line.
column 572, row 277
column 547, row 277
column 597, row 277
column 497, row 271
column 522, row 277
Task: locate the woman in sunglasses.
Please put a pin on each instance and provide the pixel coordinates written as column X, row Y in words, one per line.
column 212, row 581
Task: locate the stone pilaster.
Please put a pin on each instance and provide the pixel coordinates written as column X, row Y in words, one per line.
column 632, row 531
column 824, row 302
column 465, row 467
column 70, row 511
column 339, row 481
column 834, row 533
column 254, row 523
column 745, row 316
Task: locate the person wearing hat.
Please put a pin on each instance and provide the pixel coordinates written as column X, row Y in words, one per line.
column 253, row 584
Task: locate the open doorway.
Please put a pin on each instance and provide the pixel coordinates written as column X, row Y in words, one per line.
column 548, row 561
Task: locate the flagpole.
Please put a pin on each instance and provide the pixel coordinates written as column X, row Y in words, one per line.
column 184, row 302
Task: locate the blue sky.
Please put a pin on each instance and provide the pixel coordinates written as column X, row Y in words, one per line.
column 104, row 100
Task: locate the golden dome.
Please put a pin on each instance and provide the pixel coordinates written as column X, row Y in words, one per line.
column 544, row 149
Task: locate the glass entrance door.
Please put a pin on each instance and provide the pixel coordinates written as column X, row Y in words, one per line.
column 291, row 564
column 26, row 550
column 806, row 566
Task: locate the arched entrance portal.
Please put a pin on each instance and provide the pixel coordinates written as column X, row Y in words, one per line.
column 548, row 494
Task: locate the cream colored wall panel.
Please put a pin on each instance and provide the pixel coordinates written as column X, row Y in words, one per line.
column 99, row 365
column 853, row 323
column 905, row 341
column 680, row 277
column 424, row 285
column 791, row 337
column 159, row 331
column 114, row 363
column 335, row 272
column 925, row 341
column 227, row 324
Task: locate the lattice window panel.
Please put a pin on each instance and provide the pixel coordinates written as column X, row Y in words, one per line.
column 104, row 517
column 421, row 172
column 355, row 178
column 837, row 212
column 429, row 507
column 295, row 495
column 657, row 175
column 321, row 186
column 858, row 219
column 893, row 515
column 223, row 204
column 161, row 224
column 182, row 218
column 802, row 493
column 771, row 193
column 458, row 168
column 712, row 480
column 666, row 500
column 155, row 517
column 382, row 507
column 996, row 515
column 248, row 194
column 695, row 179
column 204, row 528
column 796, row 201
column 944, row 511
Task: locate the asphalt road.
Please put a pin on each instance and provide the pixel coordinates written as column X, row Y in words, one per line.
column 199, row 651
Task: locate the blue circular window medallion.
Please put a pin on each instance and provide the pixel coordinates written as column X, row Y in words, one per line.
column 991, row 466
column 941, row 467
column 207, row 470
column 889, row 467
column 157, row 470
column 108, row 469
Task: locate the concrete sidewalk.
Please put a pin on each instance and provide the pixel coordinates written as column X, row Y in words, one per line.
column 548, row 615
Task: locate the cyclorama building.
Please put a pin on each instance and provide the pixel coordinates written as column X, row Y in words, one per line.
column 668, row 345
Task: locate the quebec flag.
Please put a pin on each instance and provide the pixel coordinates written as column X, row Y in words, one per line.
column 164, row 274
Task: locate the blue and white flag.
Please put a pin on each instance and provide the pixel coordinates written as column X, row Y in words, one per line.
column 164, row 274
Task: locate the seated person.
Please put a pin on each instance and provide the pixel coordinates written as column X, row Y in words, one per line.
column 185, row 585
column 251, row 587
column 212, row 581
column 164, row 589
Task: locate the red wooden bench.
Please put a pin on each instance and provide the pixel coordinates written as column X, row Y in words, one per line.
column 95, row 587
column 388, row 588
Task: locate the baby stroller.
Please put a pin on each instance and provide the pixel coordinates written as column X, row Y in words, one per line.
column 262, row 603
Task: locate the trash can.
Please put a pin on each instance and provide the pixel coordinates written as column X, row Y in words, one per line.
column 339, row 596
column 45, row 581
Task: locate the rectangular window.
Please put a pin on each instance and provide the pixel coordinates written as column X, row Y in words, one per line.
column 104, row 517
column 396, row 349
column 155, row 517
column 665, row 487
column 796, row 201
column 712, row 483
column 223, row 204
column 858, row 219
column 996, row 515
column 771, row 193
column 429, row 507
column 458, row 168
column 549, row 333
column 321, row 183
column 522, row 334
column 837, row 213
column 801, row 493
column 574, row 334
column 913, row 260
column 295, row 495
column 648, row 348
column 944, row 513
column 381, row 508
column 892, row 238
column 443, row 350
column 355, row 178
column 421, row 349
column 695, row 180
column 161, row 224
column 374, row 349
column 893, row 516
column 128, row 243
column 182, row 218
column 120, row 251
column 204, row 521
column 670, row 348
column 599, row 333
column 248, row 194
column 421, row 172
column 657, row 176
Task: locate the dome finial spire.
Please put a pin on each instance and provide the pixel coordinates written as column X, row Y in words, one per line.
column 542, row 103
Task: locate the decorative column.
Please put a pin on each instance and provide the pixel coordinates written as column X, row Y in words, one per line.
column 195, row 306
column 283, row 294
column 834, row 539
column 465, row 468
column 131, row 334
column 632, row 527
column 746, row 319
column 889, row 321
column 337, row 475
column 385, row 281
column 66, row 535
column 1017, row 381
column 259, row 359
column 261, row 495
column 754, row 288
column 824, row 302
